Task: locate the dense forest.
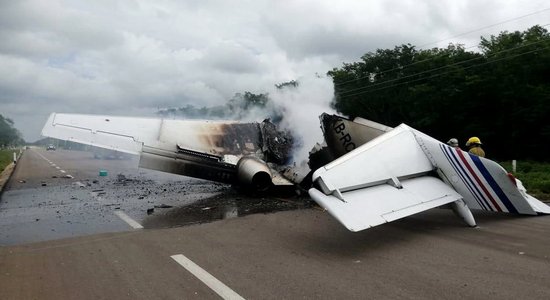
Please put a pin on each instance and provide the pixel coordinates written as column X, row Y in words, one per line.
column 9, row 136
column 500, row 94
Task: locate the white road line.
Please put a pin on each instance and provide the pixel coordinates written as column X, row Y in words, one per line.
column 128, row 220
column 57, row 167
column 217, row 286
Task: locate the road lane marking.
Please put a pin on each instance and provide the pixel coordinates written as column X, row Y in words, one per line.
column 128, row 220
column 54, row 165
column 217, row 286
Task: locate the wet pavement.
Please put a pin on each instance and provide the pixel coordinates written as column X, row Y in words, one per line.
column 90, row 249
column 45, row 201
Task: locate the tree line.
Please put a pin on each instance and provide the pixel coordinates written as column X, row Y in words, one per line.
column 9, row 135
column 500, row 94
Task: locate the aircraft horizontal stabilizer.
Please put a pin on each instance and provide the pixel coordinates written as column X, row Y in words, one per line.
column 368, row 207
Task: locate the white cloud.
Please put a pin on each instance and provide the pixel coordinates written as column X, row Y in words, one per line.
column 133, row 56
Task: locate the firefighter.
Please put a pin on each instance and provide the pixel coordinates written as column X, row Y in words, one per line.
column 474, row 146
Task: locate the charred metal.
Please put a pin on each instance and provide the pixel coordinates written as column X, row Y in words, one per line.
column 276, row 145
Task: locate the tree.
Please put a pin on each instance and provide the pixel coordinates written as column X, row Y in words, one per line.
column 9, row 136
column 501, row 94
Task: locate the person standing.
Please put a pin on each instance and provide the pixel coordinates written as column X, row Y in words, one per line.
column 474, row 146
column 453, row 143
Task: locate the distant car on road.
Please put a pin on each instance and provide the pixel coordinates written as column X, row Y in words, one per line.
column 50, row 147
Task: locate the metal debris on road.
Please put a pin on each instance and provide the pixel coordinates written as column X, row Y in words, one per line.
column 163, row 206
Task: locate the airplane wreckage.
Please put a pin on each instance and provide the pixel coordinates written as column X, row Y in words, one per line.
column 365, row 174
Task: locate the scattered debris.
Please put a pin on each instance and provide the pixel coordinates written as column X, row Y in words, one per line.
column 80, row 184
column 206, row 208
column 68, row 176
column 163, row 206
column 22, row 181
column 121, row 178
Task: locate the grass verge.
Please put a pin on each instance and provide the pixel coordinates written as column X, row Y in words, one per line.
column 534, row 175
column 6, row 157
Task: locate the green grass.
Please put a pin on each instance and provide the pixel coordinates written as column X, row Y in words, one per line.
column 534, row 175
column 6, row 157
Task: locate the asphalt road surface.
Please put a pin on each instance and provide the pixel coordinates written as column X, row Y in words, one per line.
column 82, row 238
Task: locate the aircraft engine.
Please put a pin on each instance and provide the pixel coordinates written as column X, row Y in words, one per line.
column 252, row 171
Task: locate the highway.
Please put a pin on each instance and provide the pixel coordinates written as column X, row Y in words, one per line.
column 139, row 234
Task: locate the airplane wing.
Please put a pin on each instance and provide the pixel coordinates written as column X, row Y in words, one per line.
column 223, row 151
column 379, row 182
column 403, row 172
column 116, row 133
column 365, row 208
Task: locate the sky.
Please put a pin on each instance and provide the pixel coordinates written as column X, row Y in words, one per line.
column 133, row 57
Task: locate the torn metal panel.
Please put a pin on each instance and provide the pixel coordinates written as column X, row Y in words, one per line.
column 276, row 145
column 188, row 164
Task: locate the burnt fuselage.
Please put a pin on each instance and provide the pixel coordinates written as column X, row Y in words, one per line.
column 220, row 151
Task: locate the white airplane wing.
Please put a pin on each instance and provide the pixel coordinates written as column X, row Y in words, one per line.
column 380, row 182
column 404, row 172
column 369, row 207
column 116, row 133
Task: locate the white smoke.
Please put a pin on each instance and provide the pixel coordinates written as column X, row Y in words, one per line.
column 302, row 106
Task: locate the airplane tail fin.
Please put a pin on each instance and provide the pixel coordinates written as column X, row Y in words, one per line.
column 483, row 183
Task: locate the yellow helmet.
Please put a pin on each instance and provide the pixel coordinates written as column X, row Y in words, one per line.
column 473, row 140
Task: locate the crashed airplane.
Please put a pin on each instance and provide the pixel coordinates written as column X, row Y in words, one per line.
column 365, row 174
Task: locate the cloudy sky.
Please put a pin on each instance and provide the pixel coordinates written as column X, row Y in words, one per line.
column 131, row 57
